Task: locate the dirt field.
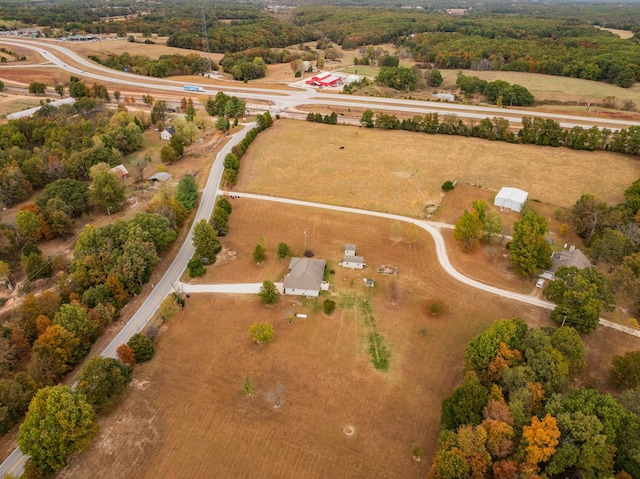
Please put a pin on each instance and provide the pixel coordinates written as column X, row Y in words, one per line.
column 401, row 172
column 186, row 421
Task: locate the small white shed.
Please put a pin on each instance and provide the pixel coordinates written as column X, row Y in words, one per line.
column 512, row 198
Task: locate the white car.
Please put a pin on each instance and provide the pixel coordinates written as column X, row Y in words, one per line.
column 540, row 283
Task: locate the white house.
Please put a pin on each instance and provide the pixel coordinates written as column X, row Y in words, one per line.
column 350, row 259
column 305, row 278
column 511, row 198
column 167, row 133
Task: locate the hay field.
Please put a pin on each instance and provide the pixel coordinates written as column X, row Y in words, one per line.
column 400, row 172
column 188, row 416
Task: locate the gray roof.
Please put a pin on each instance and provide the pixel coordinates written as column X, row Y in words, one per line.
column 350, row 247
column 353, row 259
column 162, row 176
column 569, row 258
column 306, row 273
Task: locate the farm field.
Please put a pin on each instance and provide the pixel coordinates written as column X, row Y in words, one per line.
column 400, row 172
column 548, row 87
column 188, row 416
column 12, row 103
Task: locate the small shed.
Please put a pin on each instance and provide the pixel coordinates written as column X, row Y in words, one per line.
column 120, row 171
column 162, row 176
column 369, row 283
column 512, row 198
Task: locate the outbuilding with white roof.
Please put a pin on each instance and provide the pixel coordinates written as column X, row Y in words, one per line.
column 512, row 198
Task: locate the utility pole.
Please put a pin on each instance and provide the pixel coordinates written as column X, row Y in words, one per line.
column 205, row 33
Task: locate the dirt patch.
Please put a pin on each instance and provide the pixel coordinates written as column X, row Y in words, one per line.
column 402, row 172
column 338, row 417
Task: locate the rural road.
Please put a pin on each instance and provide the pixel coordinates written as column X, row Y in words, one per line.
column 283, row 99
column 14, row 464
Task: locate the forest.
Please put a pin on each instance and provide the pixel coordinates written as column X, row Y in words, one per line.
column 549, row 39
column 517, row 413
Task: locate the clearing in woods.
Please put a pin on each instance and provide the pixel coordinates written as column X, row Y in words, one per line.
column 400, row 172
column 188, row 416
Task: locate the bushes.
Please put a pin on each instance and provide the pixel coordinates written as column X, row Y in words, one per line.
column 142, row 346
column 448, row 186
column 196, row 268
column 328, row 306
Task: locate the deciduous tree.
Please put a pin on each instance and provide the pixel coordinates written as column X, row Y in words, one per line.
column 142, row 346
column 541, row 439
column 529, row 251
column 58, row 423
column 468, row 230
column 625, row 370
column 107, row 191
column 261, row 332
column 103, row 382
column 205, row 241
column 580, row 295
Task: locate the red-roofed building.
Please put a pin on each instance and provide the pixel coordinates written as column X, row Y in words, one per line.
column 325, row 79
column 120, row 171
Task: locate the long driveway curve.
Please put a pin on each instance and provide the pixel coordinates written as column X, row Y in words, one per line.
column 433, row 229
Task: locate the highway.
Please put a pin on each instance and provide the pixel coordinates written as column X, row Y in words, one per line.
column 281, row 100
column 52, row 51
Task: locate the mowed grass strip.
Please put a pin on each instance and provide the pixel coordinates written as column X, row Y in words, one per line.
column 400, row 172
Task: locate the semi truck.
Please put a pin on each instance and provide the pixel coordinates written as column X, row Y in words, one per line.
column 193, row 88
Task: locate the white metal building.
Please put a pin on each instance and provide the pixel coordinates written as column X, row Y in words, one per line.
column 512, row 198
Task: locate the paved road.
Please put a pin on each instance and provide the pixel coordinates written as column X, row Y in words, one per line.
column 282, row 100
column 14, row 464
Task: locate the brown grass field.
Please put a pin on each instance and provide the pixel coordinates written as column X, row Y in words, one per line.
column 187, row 414
column 13, row 103
column 401, row 172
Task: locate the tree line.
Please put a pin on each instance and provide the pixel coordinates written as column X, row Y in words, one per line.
column 534, row 130
column 163, row 66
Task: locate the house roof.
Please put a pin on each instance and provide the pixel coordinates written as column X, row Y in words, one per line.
column 120, row 171
column 170, row 129
column 306, row 273
column 350, row 247
column 569, row 258
column 161, row 176
column 353, row 259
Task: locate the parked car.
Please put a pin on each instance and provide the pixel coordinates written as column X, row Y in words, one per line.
column 540, row 283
